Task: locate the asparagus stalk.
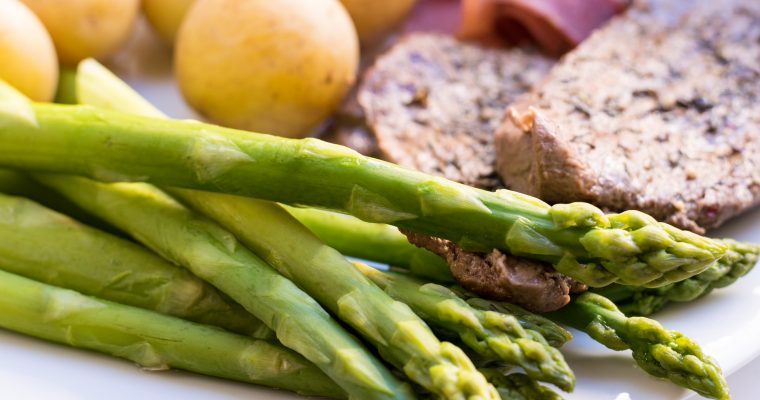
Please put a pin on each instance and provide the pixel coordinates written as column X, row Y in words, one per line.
column 398, row 333
column 213, row 254
column 370, row 241
column 492, row 335
column 739, row 260
column 518, row 386
column 662, row 353
column 44, row 245
column 153, row 340
column 584, row 243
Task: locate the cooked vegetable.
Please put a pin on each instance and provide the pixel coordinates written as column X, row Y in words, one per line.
column 165, row 16
column 46, row 246
column 739, row 260
column 376, row 242
column 581, row 241
column 152, row 340
column 492, row 335
column 400, row 335
column 375, row 18
column 214, row 255
column 518, row 386
column 86, row 28
column 660, row 352
column 275, row 66
column 29, row 62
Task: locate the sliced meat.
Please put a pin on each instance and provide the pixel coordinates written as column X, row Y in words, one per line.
column 555, row 25
column 434, row 103
column 498, row 276
column 658, row 111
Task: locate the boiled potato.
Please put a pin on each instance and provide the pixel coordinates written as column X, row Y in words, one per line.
column 279, row 67
column 27, row 56
column 86, row 28
column 376, row 18
column 165, row 16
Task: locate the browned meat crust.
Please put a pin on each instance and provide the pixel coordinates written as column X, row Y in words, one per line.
column 434, row 103
column 498, row 276
column 658, row 111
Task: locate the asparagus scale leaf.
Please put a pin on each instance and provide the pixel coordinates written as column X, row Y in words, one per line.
column 46, row 246
column 582, row 242
column 737, row 262
column 493, row 335
column 153, row 340
column 660, row 352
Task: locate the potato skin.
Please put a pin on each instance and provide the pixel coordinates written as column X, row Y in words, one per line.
column 376, row 18
column 278, row 67
column 85, row 28
column 165, row 16
column 29, row 62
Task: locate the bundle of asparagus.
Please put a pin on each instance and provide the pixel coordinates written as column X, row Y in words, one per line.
column 256, row 253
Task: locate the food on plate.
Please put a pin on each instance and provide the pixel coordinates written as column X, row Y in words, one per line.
column 86, row 28
column 152, row 340
column 532, row 284
column 375, row 18
column 556, row 25
column 28, row 57
column 583, row 242
column 165, row 16
column 434, row 102
column 494, row 336
column 96, row 263
column 741, row 258
column 660, row 352
column 280, row 67
column 667, row 126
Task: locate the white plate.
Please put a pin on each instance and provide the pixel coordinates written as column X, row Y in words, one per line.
column 726, row 323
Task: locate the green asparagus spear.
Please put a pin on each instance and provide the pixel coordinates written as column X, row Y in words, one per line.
column 399, row 334
column 377, row 242
column 492, row 335
column 518, row 386
column 578, row 238
column 739, row 260
column 213, row 254
column 660, row 352
column 554, row 334
column 152, row 340
column 50, row 247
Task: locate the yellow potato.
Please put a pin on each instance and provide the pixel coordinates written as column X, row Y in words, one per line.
column 279, row 67
column 376, row 18
column 165, row 16
column 86, row 28
column 27, row 55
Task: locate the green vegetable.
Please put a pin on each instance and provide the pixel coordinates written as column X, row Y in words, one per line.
column 554, row 334
column 518, row 386
column 213, row 254
column 44, row 245
column 584, row 243
column 490, row 334
column 660, row 352
column 377, row 242
column 398, row 333
column 737, row 262
column 401, row 337
column 153, row 340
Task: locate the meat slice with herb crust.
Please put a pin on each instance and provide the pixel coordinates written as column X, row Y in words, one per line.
column 657, row 111
column 434, row 103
